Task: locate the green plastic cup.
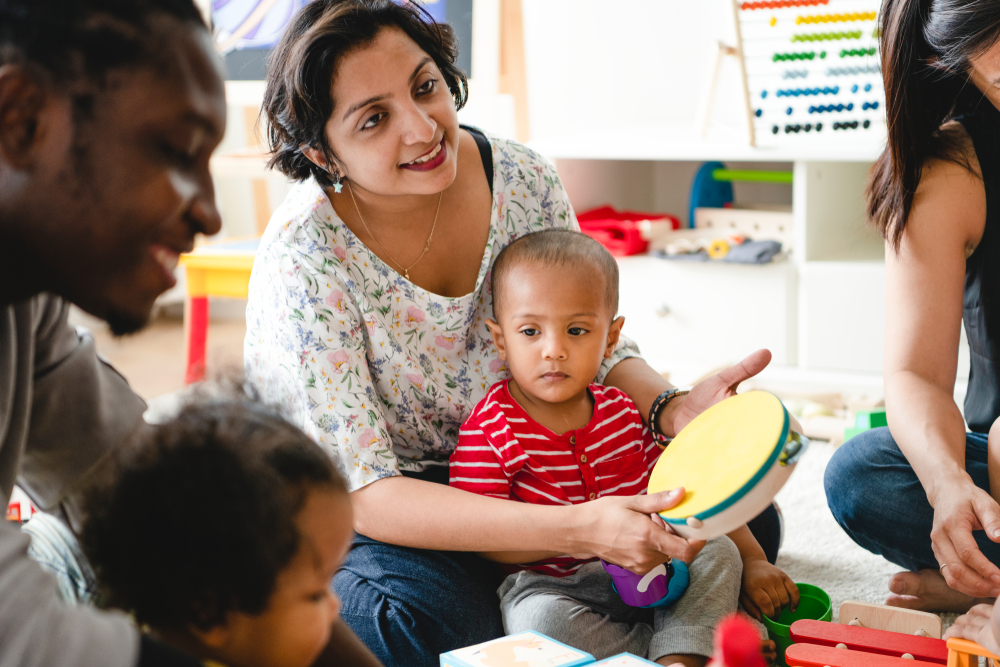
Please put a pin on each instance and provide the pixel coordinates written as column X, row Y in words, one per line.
column 814, row 605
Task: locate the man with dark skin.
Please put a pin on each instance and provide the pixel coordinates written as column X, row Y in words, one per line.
column 109, row 112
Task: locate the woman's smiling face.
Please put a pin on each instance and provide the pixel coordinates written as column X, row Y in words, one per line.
column 394, row 127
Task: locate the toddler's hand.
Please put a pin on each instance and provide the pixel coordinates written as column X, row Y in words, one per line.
column 766, row 589
column 976, row 626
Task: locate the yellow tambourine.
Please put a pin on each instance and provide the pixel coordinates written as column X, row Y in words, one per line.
column 731, row 459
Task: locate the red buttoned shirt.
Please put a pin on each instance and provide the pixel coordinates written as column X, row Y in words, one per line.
column 502, row 452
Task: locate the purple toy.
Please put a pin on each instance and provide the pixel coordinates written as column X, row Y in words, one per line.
column 661, row 586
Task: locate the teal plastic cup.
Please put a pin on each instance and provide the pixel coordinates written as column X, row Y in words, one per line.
column 814, row 605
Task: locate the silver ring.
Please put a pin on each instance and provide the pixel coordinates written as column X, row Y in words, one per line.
column 942, row 566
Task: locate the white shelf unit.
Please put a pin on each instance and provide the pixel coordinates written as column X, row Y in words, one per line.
column 821, row 312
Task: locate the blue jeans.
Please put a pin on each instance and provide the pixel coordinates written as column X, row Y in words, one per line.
column 877, row 499
column 410, row 605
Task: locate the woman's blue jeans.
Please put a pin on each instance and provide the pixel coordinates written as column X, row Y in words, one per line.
column 410, row 605
column 877, row 499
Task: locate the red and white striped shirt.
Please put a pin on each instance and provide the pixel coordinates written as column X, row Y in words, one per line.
column 502, row 452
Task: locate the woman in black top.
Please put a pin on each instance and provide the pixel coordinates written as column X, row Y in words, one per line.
column 917, row 492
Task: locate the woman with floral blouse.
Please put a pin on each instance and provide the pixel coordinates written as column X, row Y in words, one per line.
column 366, row 321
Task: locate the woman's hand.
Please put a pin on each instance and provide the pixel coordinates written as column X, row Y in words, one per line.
column 620, row 530
column 978, row 626
column 961, row 508
column 766, row 589
column 710, row 391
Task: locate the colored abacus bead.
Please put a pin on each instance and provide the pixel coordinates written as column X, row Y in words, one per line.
column 849, row 53
column 826, row 36
column 788, row 111
column 795, row 92
column 804, row 55
column 775, row 129
column 872, row 68
column 866, row 124
column 835, row 18
column 763, row 94
column 781, row 4
column 758, row 113
column 868, row 87
column 795, row 74
column 854, row 88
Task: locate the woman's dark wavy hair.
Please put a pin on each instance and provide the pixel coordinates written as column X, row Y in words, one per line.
column 198, row 518
column 299, row 99
column 926, row 48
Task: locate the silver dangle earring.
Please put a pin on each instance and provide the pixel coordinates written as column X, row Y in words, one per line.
column 337, row 185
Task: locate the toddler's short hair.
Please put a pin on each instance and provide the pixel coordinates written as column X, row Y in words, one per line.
column 198, row 518
column 564, row 247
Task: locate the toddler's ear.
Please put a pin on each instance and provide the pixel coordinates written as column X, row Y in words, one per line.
column 216, row 637
column 614, row 333
column 498, row 339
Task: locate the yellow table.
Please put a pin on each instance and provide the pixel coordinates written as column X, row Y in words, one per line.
column 214, row 269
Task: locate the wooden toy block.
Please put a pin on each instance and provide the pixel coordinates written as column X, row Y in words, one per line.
column 963, row 653
column 868, row 640
column 812, row 655
column 865, row 420
column 892, row 619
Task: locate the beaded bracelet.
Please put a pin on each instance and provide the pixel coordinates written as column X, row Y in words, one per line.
column 654, row 413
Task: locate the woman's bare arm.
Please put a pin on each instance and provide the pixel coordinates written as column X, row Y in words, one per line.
column 924, row 294
column 415, row 513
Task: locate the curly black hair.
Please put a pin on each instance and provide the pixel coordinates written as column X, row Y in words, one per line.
column 298, row 100
column 69, row 39
column 198, row 517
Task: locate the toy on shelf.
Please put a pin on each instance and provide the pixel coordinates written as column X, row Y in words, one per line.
column 963, row 653
column 865, row 420
column 660, row 587
column 794, row 55
column 624, row 232
column 723, row 232
column 814, row 604
column 753, row 451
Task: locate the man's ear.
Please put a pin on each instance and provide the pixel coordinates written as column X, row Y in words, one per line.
column 22, row 103
column 614, row 333
column 498, row 340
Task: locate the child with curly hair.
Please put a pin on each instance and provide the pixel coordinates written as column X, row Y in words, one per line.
column 221, row 532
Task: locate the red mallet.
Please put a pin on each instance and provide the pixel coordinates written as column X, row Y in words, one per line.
column 737, row 644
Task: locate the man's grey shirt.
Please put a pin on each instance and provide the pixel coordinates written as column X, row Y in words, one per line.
column 63, row 411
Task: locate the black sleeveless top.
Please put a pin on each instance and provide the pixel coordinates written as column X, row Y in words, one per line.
column 982, row 273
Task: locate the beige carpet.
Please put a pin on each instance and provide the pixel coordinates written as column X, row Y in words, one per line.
column 816, row 551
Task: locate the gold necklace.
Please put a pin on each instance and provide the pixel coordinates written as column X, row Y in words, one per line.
column 427, row 245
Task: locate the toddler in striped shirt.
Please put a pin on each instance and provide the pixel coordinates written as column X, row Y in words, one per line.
column 550, row 435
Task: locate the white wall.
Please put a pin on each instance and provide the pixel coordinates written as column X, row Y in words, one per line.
column 594, row 64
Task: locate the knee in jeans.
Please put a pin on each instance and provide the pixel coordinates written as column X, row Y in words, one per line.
column 722, row 552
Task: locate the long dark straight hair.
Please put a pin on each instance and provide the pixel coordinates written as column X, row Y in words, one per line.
column 926, row 47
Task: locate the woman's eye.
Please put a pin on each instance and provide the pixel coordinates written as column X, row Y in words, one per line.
column 577, row 331
column 529, row 332
column 427, row 86
column 373, row 120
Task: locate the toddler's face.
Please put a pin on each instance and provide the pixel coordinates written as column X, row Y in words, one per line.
column 295, row 627
column 554, row 329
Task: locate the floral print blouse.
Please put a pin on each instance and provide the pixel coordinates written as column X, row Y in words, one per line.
column 377, row 370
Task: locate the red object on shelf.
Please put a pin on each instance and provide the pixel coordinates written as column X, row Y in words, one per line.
column 621, row 231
